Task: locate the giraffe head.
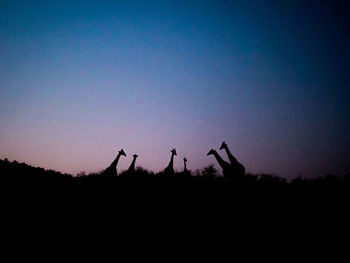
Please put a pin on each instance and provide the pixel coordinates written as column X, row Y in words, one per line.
column 135, row 156
column 212, row 151
column 223, row 145
column 173, row 151
column 185, row 159
column 121, row 152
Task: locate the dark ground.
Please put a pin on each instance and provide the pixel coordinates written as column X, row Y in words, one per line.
column 162, row 213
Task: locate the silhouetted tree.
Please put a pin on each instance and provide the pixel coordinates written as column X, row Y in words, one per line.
column 209, row 172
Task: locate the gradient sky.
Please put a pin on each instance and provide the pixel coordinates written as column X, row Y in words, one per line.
column 81, row 79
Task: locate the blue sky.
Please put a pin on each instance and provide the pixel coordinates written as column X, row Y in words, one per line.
column 81, row 79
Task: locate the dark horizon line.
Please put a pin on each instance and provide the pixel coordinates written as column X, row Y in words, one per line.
column 194, row 173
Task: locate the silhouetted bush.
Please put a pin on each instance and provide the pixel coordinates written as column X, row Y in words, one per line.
column 209, row 172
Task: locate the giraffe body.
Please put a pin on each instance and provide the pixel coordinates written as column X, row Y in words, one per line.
column 237, row 167
column 131, row 169
column 226, row 167
column 169, row 170
column 186, row 172
column 112, row 168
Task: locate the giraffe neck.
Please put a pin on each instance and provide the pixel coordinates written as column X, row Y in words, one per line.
column 232, row 159
column 185, row 169
column 132, row 165
column 115, row 162
column 171, row 163
column 219, row 159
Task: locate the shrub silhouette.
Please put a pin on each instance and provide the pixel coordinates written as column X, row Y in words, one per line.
column 209, row 172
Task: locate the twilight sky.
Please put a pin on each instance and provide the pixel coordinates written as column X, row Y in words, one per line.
column 81, row 79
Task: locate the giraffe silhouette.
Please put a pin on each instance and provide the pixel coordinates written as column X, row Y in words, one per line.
column 237, row 167
column 186, row 172
column 131, row 169
column 185, row 167
column 112, row 169
column 226, row 167
column 169, row 170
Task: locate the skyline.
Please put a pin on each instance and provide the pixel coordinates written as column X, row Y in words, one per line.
column 80, row 81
